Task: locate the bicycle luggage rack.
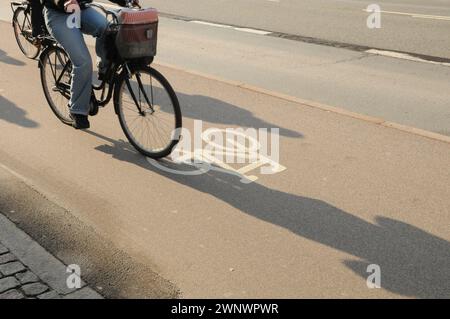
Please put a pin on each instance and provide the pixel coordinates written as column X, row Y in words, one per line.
column 17, row 4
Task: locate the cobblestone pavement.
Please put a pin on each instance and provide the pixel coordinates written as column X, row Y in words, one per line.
column 28, row 271
column 18, row 282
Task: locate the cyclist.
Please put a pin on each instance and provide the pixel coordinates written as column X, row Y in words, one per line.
column 57, row 14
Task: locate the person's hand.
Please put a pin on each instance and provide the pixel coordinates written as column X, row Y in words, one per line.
column 71, row 6
column 135, row 3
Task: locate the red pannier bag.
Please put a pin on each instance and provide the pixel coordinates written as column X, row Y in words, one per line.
column 137, row 33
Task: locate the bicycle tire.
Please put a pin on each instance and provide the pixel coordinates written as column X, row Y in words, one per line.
column 19, row 34
column 61, row 111
column 155, row 153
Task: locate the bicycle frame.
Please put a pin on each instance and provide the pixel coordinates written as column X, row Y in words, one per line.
column 19, row 4
column 111, row 81
column 106, row 87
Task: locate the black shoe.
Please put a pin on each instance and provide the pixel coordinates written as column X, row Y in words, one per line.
column 80, row 122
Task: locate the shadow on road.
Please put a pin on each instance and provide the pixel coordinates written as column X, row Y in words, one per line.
column 200, row 107
column 9, row 60
column 205, row 108
column 413, row 262
column 10, row 112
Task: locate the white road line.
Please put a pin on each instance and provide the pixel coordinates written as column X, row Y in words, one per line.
column 211, row 24
column 217, row 25
column 404, row 56
column 225, row 26
column 254, row 31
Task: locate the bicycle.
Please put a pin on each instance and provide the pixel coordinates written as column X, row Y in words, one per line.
column 141, row 94
column 21, row 22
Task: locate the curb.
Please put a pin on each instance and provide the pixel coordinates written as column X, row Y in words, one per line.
column 317, row 105
column 47, row 267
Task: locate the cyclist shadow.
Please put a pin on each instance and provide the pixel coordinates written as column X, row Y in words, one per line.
column 9, row 112
column 9, row 60
column 413, row 262
column 205, row 108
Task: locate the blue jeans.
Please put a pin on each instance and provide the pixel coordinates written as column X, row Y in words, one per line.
column 71, row 39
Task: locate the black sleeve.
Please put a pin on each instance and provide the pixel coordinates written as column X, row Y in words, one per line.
column 54, row 4
column 119, row 2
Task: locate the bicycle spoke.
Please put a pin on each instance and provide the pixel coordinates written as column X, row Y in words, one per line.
column 54, row 77
column 151, row 127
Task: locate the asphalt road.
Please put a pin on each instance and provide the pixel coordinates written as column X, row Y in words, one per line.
column 353, row 194
column 423, row 30
column 410, row 93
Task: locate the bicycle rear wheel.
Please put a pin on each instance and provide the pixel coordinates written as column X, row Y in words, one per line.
column 56, row 78
column 23, row 32
column 149, row 111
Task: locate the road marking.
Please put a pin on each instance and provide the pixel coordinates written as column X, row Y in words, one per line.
column 19, row 176
column 254, row 31
column 211, row 24
column 217, row 25
column 225, row 26
column 415, row 15
column 404, row 56
column 317, row 105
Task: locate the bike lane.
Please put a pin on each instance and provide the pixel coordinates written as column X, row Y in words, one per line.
column 348, row 193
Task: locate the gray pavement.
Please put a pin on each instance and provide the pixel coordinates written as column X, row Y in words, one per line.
column 28, row 271
column 406, row 92
column 354, row 193
column 410, row 93
column 424, row 31
column 31, row 221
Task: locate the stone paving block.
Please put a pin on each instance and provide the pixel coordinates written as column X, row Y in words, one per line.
column 3, row 249
column 84, row 293
column 6, row 258
column 34, row 273
column 34, row 289
column 11, row 268
column 27, row 277
column 44, row 265
column 12, row 294
column 8, row 283
column 49, row 295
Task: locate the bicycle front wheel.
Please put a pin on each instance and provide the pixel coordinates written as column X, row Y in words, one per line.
column 23, row 32
column 149, row 111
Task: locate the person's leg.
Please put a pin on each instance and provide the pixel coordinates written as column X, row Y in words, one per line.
column 95, row 24
column 71, row 39
column 36, row 17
